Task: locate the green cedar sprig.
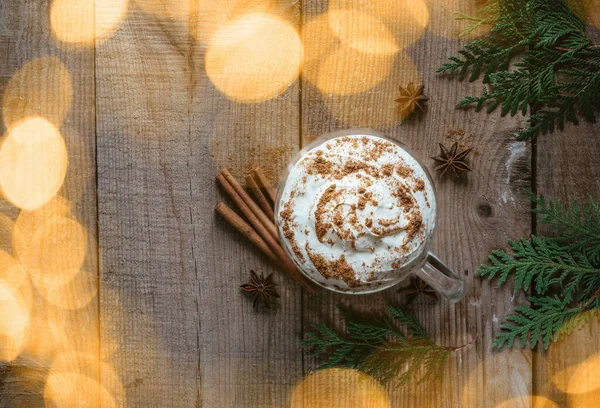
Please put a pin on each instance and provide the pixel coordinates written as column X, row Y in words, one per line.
column 536, row 60
column 567, row 261
column 486, row 15
column 377, row 347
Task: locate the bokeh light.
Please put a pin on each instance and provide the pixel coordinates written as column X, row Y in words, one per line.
column 214, row 14
column 14, row 323
column 75, row 294
column 80, row 379
column 340, row 388
column 174, row 10
column 48, row 333
column 336, row 68
column 443, row 20
column 86, row 22
column 346, row 71
column 406, row 20
column 587, row 10
column 33, row 163
column 375, row 108
column 581, row 378
column 319, row 40
column 56, row 252
column 534, row 401
column 504, row 376
column 254, row 58
column 28, row 222
column 14, row 275
column 362, row 32
column 7, row 226
column 42, row 87
column 72, row 389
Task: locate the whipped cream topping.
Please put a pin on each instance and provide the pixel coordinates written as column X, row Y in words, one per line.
column 354, row 210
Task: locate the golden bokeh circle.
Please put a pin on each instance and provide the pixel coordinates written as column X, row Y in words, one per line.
column 254, row 58
column 33, row 163
column 86, row 22
column 72, row 295
column 40, row 88
column 340, row 388
column 56, row 252
column 15, row 322
column 362, row 32
column 376, row 107
column 406, row 20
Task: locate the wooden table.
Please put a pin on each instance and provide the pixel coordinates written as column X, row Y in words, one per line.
column 146, row 133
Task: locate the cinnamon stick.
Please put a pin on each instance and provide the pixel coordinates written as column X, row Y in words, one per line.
column 286, row 264
column 266, row 222
column 265, row 184
column 245, row 229
column 260, row 198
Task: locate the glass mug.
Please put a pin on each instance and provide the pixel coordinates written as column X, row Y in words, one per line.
column 425, row 265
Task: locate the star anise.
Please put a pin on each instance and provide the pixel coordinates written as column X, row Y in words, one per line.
column 410, row 98
column 416, row 287
column 452, row 159
column 262, row 289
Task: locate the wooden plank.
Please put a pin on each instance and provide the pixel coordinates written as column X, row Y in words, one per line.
column 474, row 216
column 248, row 358
column 41, row 76
column 149, row 296
column 566, row 170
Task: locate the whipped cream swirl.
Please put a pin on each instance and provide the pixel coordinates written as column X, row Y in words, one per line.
column 354, row 210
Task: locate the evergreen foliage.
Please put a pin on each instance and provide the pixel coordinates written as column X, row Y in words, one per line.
column 567, row 261
column 376, row 346
column 536, row 60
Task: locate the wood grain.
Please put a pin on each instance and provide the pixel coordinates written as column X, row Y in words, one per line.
column 26, row 39
column 149, row 295
column 566, row 172
column 248, row 358
column 170, row 317
column 475, row 215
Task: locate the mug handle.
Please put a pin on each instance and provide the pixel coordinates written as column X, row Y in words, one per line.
column 442, row 279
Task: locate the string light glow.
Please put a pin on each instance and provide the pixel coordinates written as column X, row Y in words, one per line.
column 40, row 88
column 33, row 163
column 57, row 252
column 340, row 388
column 362, row 32
column 254, row 58
column 85, row 22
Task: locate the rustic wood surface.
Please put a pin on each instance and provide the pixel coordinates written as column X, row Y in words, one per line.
column 147, row 132
column 29, row 66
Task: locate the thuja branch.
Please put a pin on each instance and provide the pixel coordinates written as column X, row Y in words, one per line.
column 536, row 61
column 568, row 260
column 378, row 346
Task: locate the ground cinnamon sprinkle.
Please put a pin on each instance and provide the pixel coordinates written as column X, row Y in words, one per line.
column 364, row 199
column 288, row 229
column 319, row 165
column 322, row 227
column 414, row 225
column 336, row 269
column 403, row 171
column 353, row 166
column 387, row 169
column 419, row 185
column 240, row 162
column 387, row 223
column 404, row 198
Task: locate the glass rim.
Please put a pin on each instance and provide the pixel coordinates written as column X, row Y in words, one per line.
column 284, row 174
